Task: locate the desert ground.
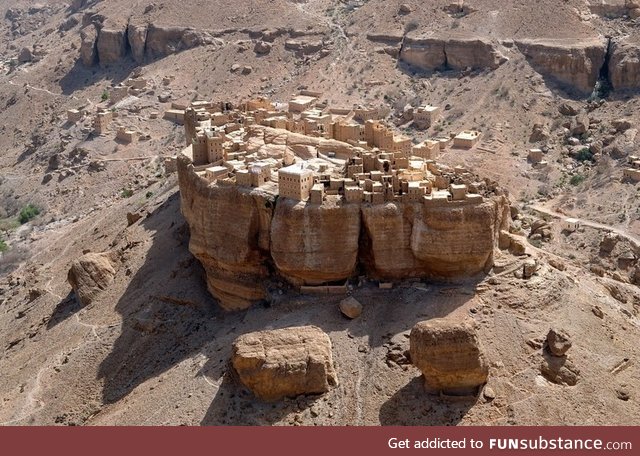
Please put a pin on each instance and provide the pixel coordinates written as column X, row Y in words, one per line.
column 154, row 347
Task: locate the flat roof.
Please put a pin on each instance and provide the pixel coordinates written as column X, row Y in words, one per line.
column 302, row 99
column 296, row 168
column 217, row 169
column 470, row 134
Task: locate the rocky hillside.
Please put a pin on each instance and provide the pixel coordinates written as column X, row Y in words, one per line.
column 135, row 338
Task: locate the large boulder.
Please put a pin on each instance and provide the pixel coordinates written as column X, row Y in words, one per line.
column 285, row 362
column 90, row 274
column 449, row 355
column 350, row 307
column 25, row 55
column 558, row 342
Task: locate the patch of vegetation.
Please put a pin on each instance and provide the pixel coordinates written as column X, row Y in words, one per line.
column 577, row 179
column 149, row 194
column 584, row 154
column 104, row 96
column 29, row 212
column 126, row 193
column 3, row 246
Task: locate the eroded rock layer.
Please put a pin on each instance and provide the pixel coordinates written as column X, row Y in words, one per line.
column 229, row 236
column 458, row 53
column 573, row 63
column 240, row 234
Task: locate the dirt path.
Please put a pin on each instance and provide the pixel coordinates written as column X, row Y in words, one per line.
column 599, row 226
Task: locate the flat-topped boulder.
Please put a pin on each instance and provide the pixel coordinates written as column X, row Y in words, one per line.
column 287, row 362
column 449, row 355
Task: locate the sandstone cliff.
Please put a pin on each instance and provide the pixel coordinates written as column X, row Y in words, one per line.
column 458, row 53
column 229, row 236
column 112, row 44
column 573, row 63
column 240, row 235
column 315, row 244
column 624, row 65
column 411, row 240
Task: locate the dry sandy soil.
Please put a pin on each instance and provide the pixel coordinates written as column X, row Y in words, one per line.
column 154, row 347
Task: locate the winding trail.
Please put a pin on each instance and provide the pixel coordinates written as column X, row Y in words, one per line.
column 599, row 226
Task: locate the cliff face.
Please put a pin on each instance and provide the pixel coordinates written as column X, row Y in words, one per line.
column 458, row 53
column 116, row 41
column 411, row 240
column 315, row 244
column 576, row 63
column 229, row 236
column 624, row 65
column 241, row 234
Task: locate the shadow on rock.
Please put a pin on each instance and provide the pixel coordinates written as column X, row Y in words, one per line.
column 80, row 77
column 413, row 406
column 235, row 405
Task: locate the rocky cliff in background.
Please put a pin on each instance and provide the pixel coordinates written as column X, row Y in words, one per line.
column 107, row 42
column 624, row 65
column 573, row 63
column 241, row 234
column 457, row 53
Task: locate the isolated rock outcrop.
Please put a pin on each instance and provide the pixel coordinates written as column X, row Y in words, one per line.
column 90, row 274
column 233, row 253
column 242, row 235
column 449, row 355
column 576, row 63
column 285, row 362
column 429, row 52
column 558, row 342
column 624, row 65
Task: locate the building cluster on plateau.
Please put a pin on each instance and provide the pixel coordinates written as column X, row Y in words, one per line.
column 380, row 165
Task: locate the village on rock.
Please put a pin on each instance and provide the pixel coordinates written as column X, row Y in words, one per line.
column 348, row 153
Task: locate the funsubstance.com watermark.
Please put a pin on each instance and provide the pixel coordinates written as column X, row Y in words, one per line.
column 539, row 443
